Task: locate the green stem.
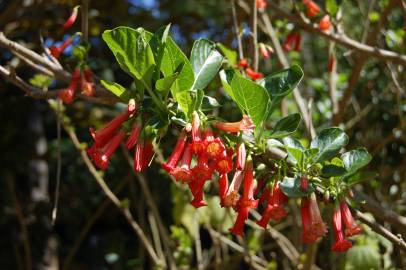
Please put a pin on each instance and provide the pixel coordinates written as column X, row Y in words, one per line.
column 158, row 102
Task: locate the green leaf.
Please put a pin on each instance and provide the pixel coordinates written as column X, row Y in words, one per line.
column 231, row 55
column 164, row 84
column 286, row 126
column 209, row 103
column 329, row 142
column 355, row 160
column 252, row 98
column 332, row 7
column 360, row 177
column 206, row 62
column 185, row 102
column 281, row 84
column 364, row 257
column 331, row 170
column 295, row 150
column 118, row 90
column 174, row 60
column 291, row 187
column 132, row 52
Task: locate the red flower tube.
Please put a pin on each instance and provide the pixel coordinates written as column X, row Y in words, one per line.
column 243, row 63
column 139, row 156
column 224, row 162
column 247, row 199
column 245, row 124
column 102, row 161
column 263, row 50
column 312, row 9
column 241, row 156
column 176, row 153
column 67, row 94
column 238, row 228
column 72, row 18
column 214, row 146
column 183, row 173
column 148, row 153
column 253, row 74
column 261, row 4
column 105, row 133
column 87, row 83
column 223, row 186
column 135, row 133
column 198, row 144
column 313, row 225
column 304, row 183
column 292, row 42
column 275, row 209
column 351, row 228
column 56, row 51
column 341, row 244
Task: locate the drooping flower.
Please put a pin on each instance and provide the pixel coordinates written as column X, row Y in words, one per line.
column 105, row 133
column 214, row 146
column 87, row 83
column 238, row 228
column 241, row 156
column 224, row 162
column 57, row 50
column 198, row 144
column 200, row 174
column 263, row 50
column 292, row 42
column 103, row 157
column 247, row 199
column 253, row 74
column 313, row 225
column 135, row 133
column 246, row 124
column 232, row 196
column 72, row 18
column 275, row 208
column 148, row 153
column 312, row 9
column 176, row 153
column 325, row 23
column 139, row 156
column 341, row 244
column 243, row 63
column 351, row 227
column 183, row 172
column 223, row 187
column 67, row 94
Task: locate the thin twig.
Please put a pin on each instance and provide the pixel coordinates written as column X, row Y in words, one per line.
column 58, row 165
column 198, row 244
column 255, row 34
column 85, row 19
column 237, row 30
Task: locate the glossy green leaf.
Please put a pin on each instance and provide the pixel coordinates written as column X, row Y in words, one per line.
column 185, row 102
column 164, row 84
column 252, row 98
column 286, row 126
column 281, row 84
column 355, row 160
column 291, row 188
column 132, row 52
column 331, row 170
column 295, row 150
column 230, row 54
column 205, row 61
column 118, row 90
column 174, row 60
column 359, row 177
column 329, row 142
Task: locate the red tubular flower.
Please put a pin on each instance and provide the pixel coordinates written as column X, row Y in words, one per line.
column 56, row 51
column 243, row 63
column 351, row 228
column 312, row 9
column 105, row 133
column 87, row 83
column 274, row 209
column 313, row 225
column 247, row 199
column 253, row 74
column 261, row 4
column 325, row 23
column 238, row 228
column 135, row 133
column 232, row 196
column 148, row 153
column 265, row 195
column 224, row 162
column 139, row 156
column 72, row 18
column 292, row 42
column 214, row 146
column 67, row 94
column 241, row 156
column 223, row 186
column 341, row 244
column 304, row 183
column 198, row 145
column 245, row 124
column 263, row 50
column 102, row 160
column 202, row 169
column 183, row 173
column 176, row 153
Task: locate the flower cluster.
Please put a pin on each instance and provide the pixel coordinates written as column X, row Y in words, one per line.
column 86, row 85
column 109, row 138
